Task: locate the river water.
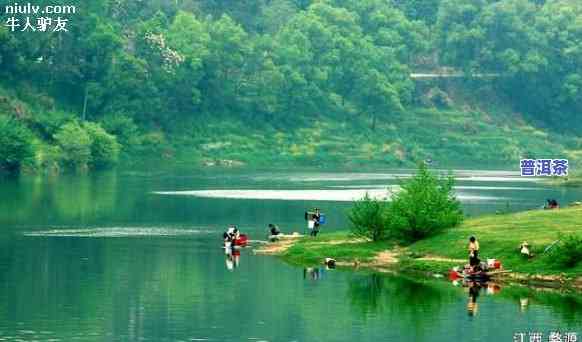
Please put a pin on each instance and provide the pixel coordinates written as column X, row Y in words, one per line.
column 136, row 256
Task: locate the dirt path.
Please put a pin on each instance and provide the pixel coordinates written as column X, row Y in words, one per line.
column 339, row 242
column 386, row 258
column 278, row 247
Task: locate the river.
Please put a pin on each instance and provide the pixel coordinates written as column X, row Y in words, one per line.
column 136, row 256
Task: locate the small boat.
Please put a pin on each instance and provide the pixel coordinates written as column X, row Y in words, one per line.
column 479, row 275
column 476, row 276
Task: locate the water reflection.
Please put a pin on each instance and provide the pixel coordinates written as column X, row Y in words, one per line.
column 232, row 259
column 411, row 298
column 78, row 198
column 474, row 289
column 313, row 273
column 117, row 198
column 566, row 305
column 98, row 258
column 472, row 306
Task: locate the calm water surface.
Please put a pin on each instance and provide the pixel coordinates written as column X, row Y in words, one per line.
column 135, row 256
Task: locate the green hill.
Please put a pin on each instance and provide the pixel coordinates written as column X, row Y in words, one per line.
column 289, row 82
column 453, row 137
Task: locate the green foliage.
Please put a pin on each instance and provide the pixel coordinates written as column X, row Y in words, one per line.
column 16, row 145
column 424, row 10
column 49, row 157
column 228, row 52
column 83, row 146
column 123, row 128
column 189, row 38
column 75, row 144
column 155, row 143
column 47, row 123
column 568, row 252
column 537, row 58
column 286, row 64
column 104, row 146
column 425, row 206
column 368, row 218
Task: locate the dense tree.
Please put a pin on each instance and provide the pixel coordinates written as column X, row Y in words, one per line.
column 104, row 146
column 425, row 206
column 75, row 144
column 16, row 145
column 172, row 65
column 534, row 49
column 425, row 10
column 228, row 50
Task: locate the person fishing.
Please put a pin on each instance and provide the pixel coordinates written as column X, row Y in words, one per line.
column 274, row 232
column 473, row 252
column 231, row 235
column 551, row 204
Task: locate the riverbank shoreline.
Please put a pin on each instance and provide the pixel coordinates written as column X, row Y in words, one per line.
column 500, row 236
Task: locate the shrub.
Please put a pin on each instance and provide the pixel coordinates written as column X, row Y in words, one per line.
column 49, row 157
column 104, row 146
column 568, row 252
column 123, row 127
column 426, row 205
column 16, row 144
column 368, row 219
column 75, row 145
column 155, row 143
column 47, row 124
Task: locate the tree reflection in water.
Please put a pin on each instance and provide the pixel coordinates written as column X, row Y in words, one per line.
column 412, row 300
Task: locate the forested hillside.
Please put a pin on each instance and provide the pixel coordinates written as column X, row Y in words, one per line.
column 310, row 82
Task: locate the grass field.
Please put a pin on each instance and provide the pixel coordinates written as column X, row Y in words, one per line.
column 499, row 237
column 340, row 246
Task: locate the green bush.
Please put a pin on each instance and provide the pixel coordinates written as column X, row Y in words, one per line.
column 75, row 144
column 155, row 143
column 368, row 219
column 568, row 252
column 123, row 127
column 16, row 144
column 104, row 146
column 425, row 206
column 47, row 124
column 49, row 157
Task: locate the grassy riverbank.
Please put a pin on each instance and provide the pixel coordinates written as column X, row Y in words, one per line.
column 499, row 237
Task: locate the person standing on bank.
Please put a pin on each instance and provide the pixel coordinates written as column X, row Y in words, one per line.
column 473, row 251
column 316, row 222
